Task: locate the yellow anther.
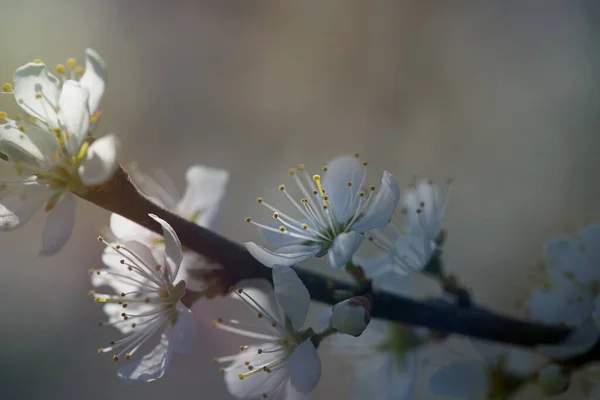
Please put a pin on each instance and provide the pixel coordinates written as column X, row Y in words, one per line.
column 275, row 215
column 3, row 115
column 79, row 70
column 317, row 179
column 325, row 198
column 349, row 184
column 248, row 219
column 71, row 62
column 21, row 128
column 265, row 396
column 38, row 96
column 300, row 167
column 240, row 290
column 18, row 117
column 82, row 151
column 60, row 68
column 100, row 351
column 37, row 61
column 241, row 377
column 304, row 226
column 259, row 315
column 325, row 168
column 356, row 155
column 292, row 171
column 7, row 87
column 128, row 356
column 259, row 200
column 94, row 118
column 361, row 194
column 364, row 163
column 100, row 239
column 372, row 188
column 282, row 187
column 116, row 357
column 282, row 228
column 118, row 246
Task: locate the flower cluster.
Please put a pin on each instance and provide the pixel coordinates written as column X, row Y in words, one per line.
column 49, row 147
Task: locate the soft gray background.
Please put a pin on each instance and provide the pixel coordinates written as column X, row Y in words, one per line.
column 500, row 96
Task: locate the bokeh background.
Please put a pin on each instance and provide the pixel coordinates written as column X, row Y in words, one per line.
column 500, row 96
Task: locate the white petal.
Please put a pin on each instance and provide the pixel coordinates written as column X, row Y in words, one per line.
column 262, row 292
column 158, row 187
column 19, row 146
column 304, row 367
column 183, row 334
column 284, row 256
column 173, row 252
column 278, row 239
column 30, row 80
column 292, row 394
column 101, row 160
column 344, row 247
column 291, row 294
column 125, row 229
column 565, row 257
column 583, row 338
column 425, row 204
column 568, row 306
column 150, row 367
column 94, row 79
column 74, row 115
column 59, row 226
column 18, row 203
column 382, row 206
column 203, row 195
column 373, row 265
column 462, row 380
column 340, row 171
column 412, row 253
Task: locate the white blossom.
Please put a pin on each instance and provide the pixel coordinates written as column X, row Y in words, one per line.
column 146, row 304
column 335, row 213
column 408, row 248
column 497, row 373
column 286, row 364
column 49, row 151
column 199, row 203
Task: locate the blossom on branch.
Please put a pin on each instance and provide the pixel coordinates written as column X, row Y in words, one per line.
column 335, row 214
column 49, row 150
column 146, row 304
column 286, row 364
column 498, row 373
column 199, row 203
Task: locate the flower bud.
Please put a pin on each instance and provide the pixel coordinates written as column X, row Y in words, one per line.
column 553, row 380
column 351, row 316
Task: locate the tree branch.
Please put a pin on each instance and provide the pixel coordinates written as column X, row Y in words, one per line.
column 119, row 195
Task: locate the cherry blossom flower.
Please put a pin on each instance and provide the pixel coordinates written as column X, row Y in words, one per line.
column 199, row 203
column 146, row 304
column 335, row 214
column 497, row 373
column 286, row 364
column 51, row 155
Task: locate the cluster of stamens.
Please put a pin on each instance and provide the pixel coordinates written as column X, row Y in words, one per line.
column 316, row 208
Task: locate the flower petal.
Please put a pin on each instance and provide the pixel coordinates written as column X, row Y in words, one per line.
column 304, row 367
column 125, row 229
column 566, row 305
column 344, row 247
column 19, row 201
column 150, row 367
column 412, row 253
column 583, row 338
column 284, row 256
column 73, row 115
column 342, row 170
column 94, row 79
column 291, row 294
column 278, row 239
column 173, row 251
column 18, row 145
column 34, row 79
column 425, row 204
column 183, row 334
column 203, row 194
column 566, row 259
column 101, row 160
column 382, row 206
column 59, row 226
column 462, row 380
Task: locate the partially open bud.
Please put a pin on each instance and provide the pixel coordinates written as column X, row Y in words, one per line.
column 351, row 316
column 553, row 380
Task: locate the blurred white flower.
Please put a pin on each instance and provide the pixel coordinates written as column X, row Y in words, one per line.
column 385, row 360
column 409, row 248
column 335, row 214
column 574, row 287
column 51, row 156
column 553, row 380
column 497, row 374
column 147, row 304
column 286, row 365
column 199, row 204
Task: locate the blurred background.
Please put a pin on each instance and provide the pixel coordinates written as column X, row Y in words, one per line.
column 500, row 96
